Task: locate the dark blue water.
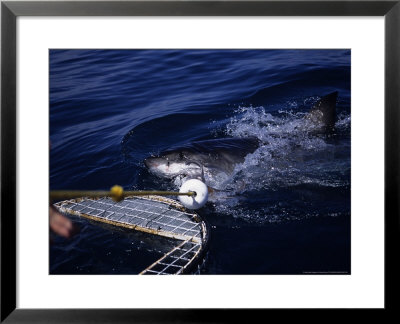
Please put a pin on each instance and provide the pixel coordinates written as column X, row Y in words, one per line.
column 289, row 207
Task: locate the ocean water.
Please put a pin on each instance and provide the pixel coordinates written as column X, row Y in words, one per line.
column 284, row 210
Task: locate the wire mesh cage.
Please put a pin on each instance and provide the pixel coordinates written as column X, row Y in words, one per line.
column 154, row 215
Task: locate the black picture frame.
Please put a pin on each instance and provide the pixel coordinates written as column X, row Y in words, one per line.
column 10, row 10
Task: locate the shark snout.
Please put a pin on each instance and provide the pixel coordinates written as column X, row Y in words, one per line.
column 150, row 163
column 154, row 162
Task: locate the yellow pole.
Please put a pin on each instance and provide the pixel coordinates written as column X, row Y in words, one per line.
column 117, row 193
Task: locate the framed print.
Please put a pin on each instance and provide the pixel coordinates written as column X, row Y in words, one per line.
column 270, row 126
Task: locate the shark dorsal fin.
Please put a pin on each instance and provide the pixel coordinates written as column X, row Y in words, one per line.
column 324, row 111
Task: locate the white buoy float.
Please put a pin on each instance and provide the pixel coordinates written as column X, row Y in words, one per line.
column 197, row 201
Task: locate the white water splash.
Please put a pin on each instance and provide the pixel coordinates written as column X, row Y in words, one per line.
column 293, row 152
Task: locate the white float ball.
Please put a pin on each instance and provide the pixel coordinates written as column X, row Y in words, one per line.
column 197, row 201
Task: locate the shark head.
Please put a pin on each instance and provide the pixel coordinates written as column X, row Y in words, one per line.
column 173, row 164
column 192, row 160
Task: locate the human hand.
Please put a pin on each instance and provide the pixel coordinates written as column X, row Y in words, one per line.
column 60, row 224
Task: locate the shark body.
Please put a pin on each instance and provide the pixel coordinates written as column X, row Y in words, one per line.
column 221, row 155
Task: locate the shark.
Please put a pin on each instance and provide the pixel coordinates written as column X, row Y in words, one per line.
column 215, row 156
column 192, row 159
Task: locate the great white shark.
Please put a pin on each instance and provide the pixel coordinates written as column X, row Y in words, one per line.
column 221, row 155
